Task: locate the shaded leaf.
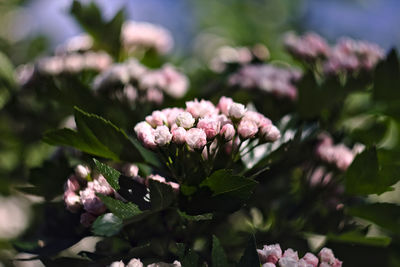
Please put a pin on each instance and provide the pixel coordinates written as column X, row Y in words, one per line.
column 119, row 208
column 218, row 256
column 223, row 182
column 359, row 238
column 161, row 195
column 386, row 215
column 250, row 255
column 107, row 225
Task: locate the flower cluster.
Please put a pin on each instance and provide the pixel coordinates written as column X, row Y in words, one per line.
column 142, row 35
column 78, row 43
column 346, row 56
column 226, row 55
column 268, row 78
column 138, row 263
column 205, row 128
column 81, row 189
column 339, row 155
column 143, row 84
column 271, row 256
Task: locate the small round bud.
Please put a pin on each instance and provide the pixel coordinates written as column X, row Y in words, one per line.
column 196, row 138
column 236, row 111
column 162, row 135
column 227, row 132
column 185, row 120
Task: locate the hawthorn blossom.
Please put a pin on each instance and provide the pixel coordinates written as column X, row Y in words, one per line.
column 196, row 138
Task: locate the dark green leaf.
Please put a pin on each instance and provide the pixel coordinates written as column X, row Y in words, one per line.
column 386, row 215
column 107, row 225
column 119, row 208
column 358, row 238
column 218, row 254
column 111, row 174
column 250, row 255
column 364, row 176
column 100, row 137
column 387, row 78
column 223, row 182
column 161, row 195
column 201, row 217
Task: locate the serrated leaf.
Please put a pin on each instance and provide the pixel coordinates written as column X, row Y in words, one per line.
column 107, row 225
column 218, row 256
column 161, row 195
column 100, row 137
column 365, row 176
column 385, row 215
column 111, row 174
column 250, row 255
column 223, row 182
column 119, row 208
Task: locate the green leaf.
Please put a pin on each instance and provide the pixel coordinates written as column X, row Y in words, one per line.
column 100, row 137
column 359, row 238
column 385, row 215
column 365, row 176
column 250, row 255
column 111, row 174
column 106, row 34
column 7, row 80
column 201, row 217
column 218, row 256
column 161, row 195
column 387, row 78
column 119, row 208
column 107, row 225
column 223, row 182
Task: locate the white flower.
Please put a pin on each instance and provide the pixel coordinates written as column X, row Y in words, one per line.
column 236, row 110
column 185, row 120
column 196, row 138
column 162, row 135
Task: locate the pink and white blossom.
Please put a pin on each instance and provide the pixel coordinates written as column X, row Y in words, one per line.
column 196, row 138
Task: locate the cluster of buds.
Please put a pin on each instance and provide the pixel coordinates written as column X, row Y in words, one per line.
column 144, row 36
column 142, row 84
column 350, row 56
column 308, row 47
column 138, row 263
column 205, row 128
column 81, row 189
column 226, row 55
column 339, row 155
column 80, row 192
column 271, row 256
column 267, row 78
column 346, row 56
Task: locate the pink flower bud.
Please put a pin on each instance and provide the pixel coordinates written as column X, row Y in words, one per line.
column 157, row 118
column 224, row 104
column 176, row 82
column 227, row 132
column 200, row 109
column 311, row 259
column 185, row 120
column 154, row 95
column 82, row 171
column 72, row 184
column 72, row 201
column 131, row 170
column 326, row 255
column 236, row 111
column 196, row 138
column 162, row 135
column 135, row 263
column 247, row 129
column 270, row 133
column 271, row 253
column 91, row 202
column 179, row 136
column 155, row 177
column 288, row 262
column 290, row 253
column 100, row 185
column 117, row 264
column 210, row 125
column 87, row 219
column 268, row 264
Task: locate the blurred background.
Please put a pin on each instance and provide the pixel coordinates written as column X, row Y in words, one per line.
column 33, row 28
